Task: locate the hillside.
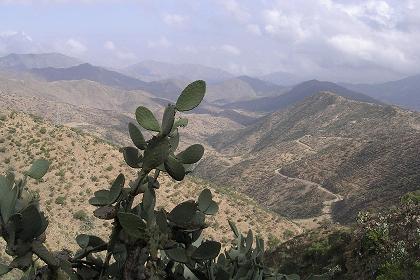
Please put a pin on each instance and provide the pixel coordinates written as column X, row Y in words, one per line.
column 235, row 89
column 165, row 89
column 151, row 70
column 82, row 164
column 241, row 88
column 325, row 154
column 43, row 60
column 296, row 94
column 89, row 72
column 404, row 92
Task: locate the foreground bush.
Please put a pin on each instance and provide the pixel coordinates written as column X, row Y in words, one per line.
column 145, row 243
column 381, row 246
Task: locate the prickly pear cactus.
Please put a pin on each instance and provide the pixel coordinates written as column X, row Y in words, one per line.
column 145, row 243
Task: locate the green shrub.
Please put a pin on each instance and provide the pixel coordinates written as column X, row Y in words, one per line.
column 61, row 200
column 80, row 215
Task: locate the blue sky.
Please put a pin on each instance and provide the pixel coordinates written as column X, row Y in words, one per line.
column 337, row 40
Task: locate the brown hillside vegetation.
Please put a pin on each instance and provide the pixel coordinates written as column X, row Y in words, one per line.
column 323, row 150
column 82, row 164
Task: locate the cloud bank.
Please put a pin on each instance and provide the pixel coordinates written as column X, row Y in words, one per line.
column 341, row 40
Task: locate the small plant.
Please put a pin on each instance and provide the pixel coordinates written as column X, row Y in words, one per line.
column 80, row 215
column 94, row 179
column 60, row 200
column 109, row 168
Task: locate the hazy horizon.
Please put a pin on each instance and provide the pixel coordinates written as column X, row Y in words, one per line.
column 347, row 41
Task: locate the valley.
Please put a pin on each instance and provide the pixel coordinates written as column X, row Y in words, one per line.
column 82, row 164
column 292, row 150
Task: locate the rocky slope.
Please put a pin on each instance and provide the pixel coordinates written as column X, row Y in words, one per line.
column 297, row 94
column 82, row 164
column 362, row 155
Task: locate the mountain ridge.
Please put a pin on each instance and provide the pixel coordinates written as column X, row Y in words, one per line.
column 151, row 70
column 403, row 92
column 296, row 94
column 27, row 61
column 325, row 139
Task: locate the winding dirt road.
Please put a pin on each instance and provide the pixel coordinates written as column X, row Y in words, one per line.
column 326, row 210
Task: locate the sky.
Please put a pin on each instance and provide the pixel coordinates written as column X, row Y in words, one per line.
column 336, row 40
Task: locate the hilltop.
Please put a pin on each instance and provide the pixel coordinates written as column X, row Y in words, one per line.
column 297, row 94
column 29, row 61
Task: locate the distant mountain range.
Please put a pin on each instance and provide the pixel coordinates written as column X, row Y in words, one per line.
column 162, row 89
column 151, row 70
column 29, row 61
column 404, row 92
column 282, row 78
column 324, row 149
column 296, row 94
column 241, row 88
column 268, row 93
column 87, row 71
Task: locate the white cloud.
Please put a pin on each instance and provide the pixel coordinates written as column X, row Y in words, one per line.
column 17, row 42
column 254, row 29
column 120, row 54
column 162, row 42
column 27, row 2
column 189, row 49
column 230, row 49
column 73, row 46
column 126, row 55
column 174, row 19
column 109, row 45
column 369, row 50
column 372, row 11
column 288, row 25
column 236, row 10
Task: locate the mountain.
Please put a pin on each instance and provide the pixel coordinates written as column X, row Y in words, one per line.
column 261, row 87
column 87, row 71
column 43, row 60
column 281, row 78
column 151, row 70
column 404, row 92
column 163, row 89
column 324, row 154
column 82, row 164
column 94, row 106
column 241, row 88
column 17, row 42
column 296, row 94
